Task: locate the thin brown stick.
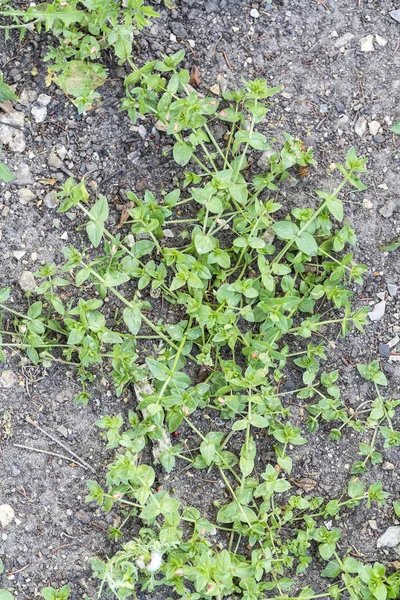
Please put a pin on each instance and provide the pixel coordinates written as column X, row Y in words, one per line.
column 32, row 422
column 69, row 458
column 224, row 54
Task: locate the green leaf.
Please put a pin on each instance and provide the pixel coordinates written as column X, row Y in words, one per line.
column 332, row 569
column 6, row 92
column 355, row 488
column 4, row 294
column 95, row 230
column 5, row 595
column 306, row 243
column 207, row 450
column 396, row 128
column 286, row 230
column 396, row 508
column 204, row 243
column 132, row 318
column 182, row 153
column 335, row 206
column 5, row 173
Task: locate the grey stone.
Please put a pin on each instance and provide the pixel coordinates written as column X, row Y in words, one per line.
column 23, row 174
column 384, row 350
column 395, row 14
column 254, row 13
column 44, row 99
column 179, row 30
column 367, row 43
column 27, row 282
column 389, row 539
column 392, row 289
column 378, row 311
column 27, row 97
column 360, row 127
column 18, row 254
column 15, row 471
column 263, row 161
column 340, row 107
column 387, row 210
column 11, row 131
column 7, row 515
column 8, row 379
column 381, row 40
column 344, row 39
column 211, row 6
column 54, row 161
column 25, row 195
column 374, row 127
column 50, row 200
column 39, row 113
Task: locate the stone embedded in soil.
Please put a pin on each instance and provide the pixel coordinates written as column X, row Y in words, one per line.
column 384, row 350
column 50, row 200
column 211, row 6
column 374, row 127
column 378, row 311
column 7, row 515
column 395, row 14
column 381, row 40
column 388, row 466
column 39, row 113
column 27, row 282
column 254, row 13
column 264, row 160
column 8, row 379
column 367, row 43
column 392, row 289
column 179, row 30
column 360, row 127
column 54, row 161
column 25, row 195
column 11, row 131
column 18, row 254
column 23, row 174
column 390, row 539
column 387, row 210
column 44, row 99
column 344, row 39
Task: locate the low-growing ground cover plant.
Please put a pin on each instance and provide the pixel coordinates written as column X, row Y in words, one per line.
column 244, row 278
column 83, row 30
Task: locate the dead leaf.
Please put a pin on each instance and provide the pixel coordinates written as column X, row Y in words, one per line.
column 215, row 89
column 47, row 181
column 195, row 76
column 307, row 484
column 202, row 373
column 124, row 215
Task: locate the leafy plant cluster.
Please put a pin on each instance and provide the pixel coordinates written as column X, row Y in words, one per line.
column 245, row 279
column 83, row 30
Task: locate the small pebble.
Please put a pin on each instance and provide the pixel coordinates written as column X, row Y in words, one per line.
column 395, row 14
column 392, row 289
column 390, row 539
column 387, row 210
column 39, row 113
column 366, row 43
column 384, row 350
column 18, row 254
column 254, row 13
column 7, row 515
column 27, row 282
column 381, row 40
column 361, row 126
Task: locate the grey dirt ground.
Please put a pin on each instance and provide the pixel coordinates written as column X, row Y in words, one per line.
column 339, row 62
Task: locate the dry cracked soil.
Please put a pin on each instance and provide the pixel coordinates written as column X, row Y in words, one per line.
column 336, row 95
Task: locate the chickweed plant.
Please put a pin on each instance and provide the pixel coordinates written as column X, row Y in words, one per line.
column 244, row 280
column 83, row 29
